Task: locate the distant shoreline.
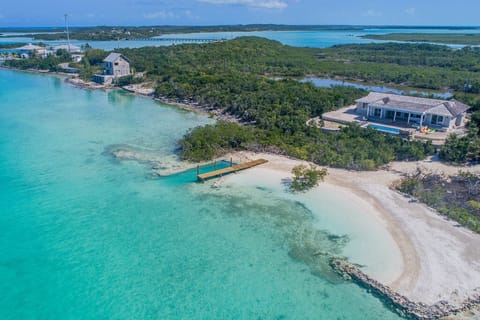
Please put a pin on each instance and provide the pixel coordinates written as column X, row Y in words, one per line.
column 265, row 25
column 110, row 33
column 460, row 39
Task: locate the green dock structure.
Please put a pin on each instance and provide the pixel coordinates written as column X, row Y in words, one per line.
column 232, row 169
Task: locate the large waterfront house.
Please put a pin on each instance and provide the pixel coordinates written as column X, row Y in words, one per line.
column 29, row 50
column 115, row 66
column 412, row 111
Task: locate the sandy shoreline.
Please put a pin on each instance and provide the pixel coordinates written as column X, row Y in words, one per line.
column 441, row 261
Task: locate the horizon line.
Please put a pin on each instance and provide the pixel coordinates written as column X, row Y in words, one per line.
column 252, row 24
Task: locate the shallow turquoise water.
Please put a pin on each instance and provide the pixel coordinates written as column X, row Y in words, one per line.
column 83, row 236
column 316, row 39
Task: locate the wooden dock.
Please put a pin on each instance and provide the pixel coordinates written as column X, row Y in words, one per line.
column 232, row 169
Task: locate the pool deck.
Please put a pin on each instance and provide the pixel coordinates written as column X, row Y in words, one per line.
column 344, row 115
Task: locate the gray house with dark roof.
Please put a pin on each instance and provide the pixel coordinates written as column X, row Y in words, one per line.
column 412, row 110
column 115, row 65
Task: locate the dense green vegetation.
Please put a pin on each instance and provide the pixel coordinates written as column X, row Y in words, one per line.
column 462, row 150
column 250, row 78
column 353, row 148
column 457, row 197
column 445, row 38
column 210, row 141
column 415, row 65
column 91, row 63
column 247, row 55
column 237, row 77
column 305, row 178
column 422, row 66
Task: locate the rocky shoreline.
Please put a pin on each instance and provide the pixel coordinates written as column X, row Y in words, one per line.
column 399, row 303
column 140, row 90
column 84, row 84
column 146, row 91
column 191, row 105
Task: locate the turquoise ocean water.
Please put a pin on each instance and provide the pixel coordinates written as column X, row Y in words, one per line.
column 316, row 39
column 85, row 236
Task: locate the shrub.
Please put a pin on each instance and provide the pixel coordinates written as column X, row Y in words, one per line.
column 305, row 177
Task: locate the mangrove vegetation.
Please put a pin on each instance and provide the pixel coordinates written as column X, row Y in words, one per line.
column 457, row 197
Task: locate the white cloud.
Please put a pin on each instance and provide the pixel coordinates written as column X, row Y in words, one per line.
column 189, row 14
column 410, row 11
column 160, row 15
column 372, row 13
column 266, row 4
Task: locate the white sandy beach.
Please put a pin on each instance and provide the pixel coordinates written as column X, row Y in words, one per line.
column 436, row 259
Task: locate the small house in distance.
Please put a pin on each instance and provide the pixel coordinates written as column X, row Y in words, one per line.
column 115, row 66
column 411, row 111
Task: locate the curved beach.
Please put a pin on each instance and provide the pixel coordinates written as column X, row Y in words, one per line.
column 433, row 258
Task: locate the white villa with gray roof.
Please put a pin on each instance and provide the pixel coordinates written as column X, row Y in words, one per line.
column 414, row 111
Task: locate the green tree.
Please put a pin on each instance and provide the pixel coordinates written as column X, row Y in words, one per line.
column 305, row 178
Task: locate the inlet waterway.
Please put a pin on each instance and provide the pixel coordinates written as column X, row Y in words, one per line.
column 327, row 83
column 85, row 235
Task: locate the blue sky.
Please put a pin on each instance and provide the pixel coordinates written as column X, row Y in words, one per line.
column 210, row 12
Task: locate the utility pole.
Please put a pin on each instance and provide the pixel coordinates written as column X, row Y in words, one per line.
column 68, row 35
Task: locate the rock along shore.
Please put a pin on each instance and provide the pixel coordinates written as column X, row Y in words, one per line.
column 399, row 303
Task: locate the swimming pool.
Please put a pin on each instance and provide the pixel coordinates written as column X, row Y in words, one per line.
column 384, row 128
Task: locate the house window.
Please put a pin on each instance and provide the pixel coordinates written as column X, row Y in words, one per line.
column 365, row 105
column 377, row 112
column 436, row 119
